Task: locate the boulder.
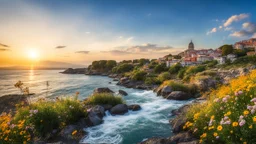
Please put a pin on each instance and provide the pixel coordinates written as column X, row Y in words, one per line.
column 74, row 71
column 102, row 90
column 134, row 107
column 124, row 79
column 178, row 95
column 93, row 119
column 99, row 110
column 122, row 92
column 66, row 133
column 115, row 79
column 180, row 110
column 107, row 107
column 206, row 83
column 119, row 109
column 156, row 140
column 166, row 90
column 182, row 137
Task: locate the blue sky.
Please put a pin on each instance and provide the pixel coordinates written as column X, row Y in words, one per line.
column 113, row 26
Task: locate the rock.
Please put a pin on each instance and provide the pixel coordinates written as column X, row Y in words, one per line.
column 178, row 95
column 102, row 90
column 122, row 92
column 134, row 107
column 115, row 79
column 182, row 137
column 106, row 107
column 206, row 83
column 180, row 110
column 66, row 133
column 8, row 102
column 109, row 82
column 190, row 142
column 99, row 110
column 119, row 109
column 93, row 119
column 75, row 71
column 112, row 75
column 124, row 79
column 156, row 140
column 166, row 90
column 178, row 122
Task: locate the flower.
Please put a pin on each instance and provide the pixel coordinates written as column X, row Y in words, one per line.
column 229, row 113
column 219, row 128
column 254, row 119
column 203, row 135
column 250, row 127
column 234, row 124
column 74, row 132
column 242, row 122
column 246, row 112
column 215, row 134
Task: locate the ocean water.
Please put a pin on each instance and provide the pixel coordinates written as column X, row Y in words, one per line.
column 133, row 127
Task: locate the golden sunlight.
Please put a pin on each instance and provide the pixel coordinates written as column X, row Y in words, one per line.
column 33, row 54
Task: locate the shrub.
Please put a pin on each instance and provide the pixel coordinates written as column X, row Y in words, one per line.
column 177, row 86
column 174, row 69
column 122, row 68
column 138, row 75
column 45, row 116
column 229, row 114
column 207, row 73
column 104, row 98
column 181, row 73
column 159, row 68
column 152, row 80
column 164, row 76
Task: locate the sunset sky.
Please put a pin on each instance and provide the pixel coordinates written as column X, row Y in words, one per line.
column 79, row 32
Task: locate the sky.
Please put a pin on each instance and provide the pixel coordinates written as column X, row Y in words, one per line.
column 81, row 31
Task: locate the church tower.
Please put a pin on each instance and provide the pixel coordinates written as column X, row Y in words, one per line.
column 191, row 46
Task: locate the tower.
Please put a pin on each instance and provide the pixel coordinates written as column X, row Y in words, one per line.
column 191, row 46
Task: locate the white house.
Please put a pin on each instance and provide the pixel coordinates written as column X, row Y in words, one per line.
column 231, row 57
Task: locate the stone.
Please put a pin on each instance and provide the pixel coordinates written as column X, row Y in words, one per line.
column 134, row 107
column 156, row 140
column 166, row 90
column 119, row 109
column 93, row 119
column 178, row 95
column 102, row 90
column 107, row 107
column 99, row 110
column 182, row 137
column 122, row 92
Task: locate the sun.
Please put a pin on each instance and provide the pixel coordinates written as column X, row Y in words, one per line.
column 33, row 54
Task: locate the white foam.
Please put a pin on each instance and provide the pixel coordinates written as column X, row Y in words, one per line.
column 114, row 126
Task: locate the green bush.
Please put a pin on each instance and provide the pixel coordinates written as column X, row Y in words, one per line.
column 164, row 76
column 177, row 86
column 152, row 80
column 174, row 69
column 194, row 69
column 104, row 98
column 122, row 68
column 46, row 116
column 138, row 75
column 182, row 72
column 160, row 68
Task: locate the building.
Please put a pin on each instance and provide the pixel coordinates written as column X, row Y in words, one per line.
column 231, row 57
column 250, row 43
column 169, row 63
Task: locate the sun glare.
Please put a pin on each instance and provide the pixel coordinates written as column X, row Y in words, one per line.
column 33, row 54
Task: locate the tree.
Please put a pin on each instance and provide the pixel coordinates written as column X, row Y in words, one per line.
column 159, row 68
column 110, row 64
column 226, row 49
column 175, row 68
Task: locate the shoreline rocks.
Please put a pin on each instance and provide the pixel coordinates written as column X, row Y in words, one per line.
column 134, row 107
column 103, row 90
column 74, row 71
column 178, row 95
column 119, row 109
column 122, row 92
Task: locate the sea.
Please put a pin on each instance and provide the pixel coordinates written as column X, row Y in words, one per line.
column 133, row 127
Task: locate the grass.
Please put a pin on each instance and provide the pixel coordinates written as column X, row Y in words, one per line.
column 229, row 115
column 104, row 98
column 39, row 119
column 178, row 86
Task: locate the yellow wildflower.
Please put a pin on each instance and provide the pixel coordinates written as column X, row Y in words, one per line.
column 250, row 127
column 246, row 112
column 229, row 113
column 212, row 117
column 215, row 134
column 219, row 128
column 231, row 131
column 235, row 124
column 74, row 132
column 203, row 135
column 254, row 118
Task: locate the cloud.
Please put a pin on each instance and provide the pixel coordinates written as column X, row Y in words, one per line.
column 254, row 35
column 88, row 32
column 4, row 49
column 248, row 30
column 220, row 27
column 82, row 52
column 60, row 47
column 235, row 18
column 130, row 39
column 212, row 31
column 228, row 28
column 3, row 45
column 140, row 49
